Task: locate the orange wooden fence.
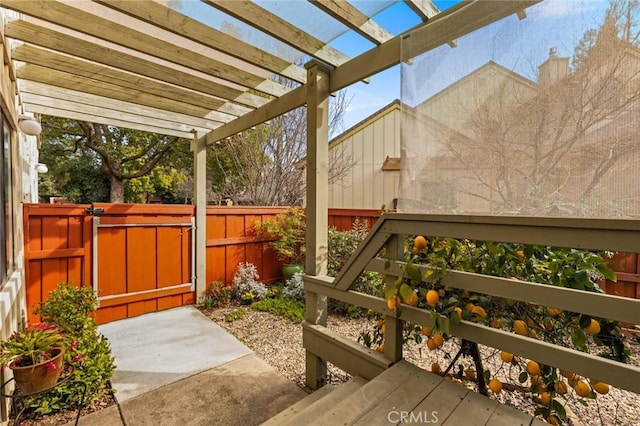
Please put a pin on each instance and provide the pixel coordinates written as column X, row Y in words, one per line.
column 144, row 258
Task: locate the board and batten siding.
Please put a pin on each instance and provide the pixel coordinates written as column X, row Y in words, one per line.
column 368, row 144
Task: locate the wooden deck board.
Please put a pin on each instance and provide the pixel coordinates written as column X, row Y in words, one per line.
column 442, row 402
column 410, row 394
column 368, row 396
column 475, row 409
column 508, row 416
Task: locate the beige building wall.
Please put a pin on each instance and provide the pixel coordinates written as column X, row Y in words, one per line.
column 366, row 146
column 23, row 158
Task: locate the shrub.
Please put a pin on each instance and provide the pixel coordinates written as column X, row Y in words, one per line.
column 236, row 314
column 294, row 288
column 283, row 307
column 288, row 230
column 342, row 244
column 246, row 285
column 89, row 355
column 217, row 294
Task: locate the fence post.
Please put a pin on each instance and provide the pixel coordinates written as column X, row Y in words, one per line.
column 392, row 325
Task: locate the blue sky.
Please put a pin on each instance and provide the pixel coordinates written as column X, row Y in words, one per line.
column 555, row 23
column 384, row 87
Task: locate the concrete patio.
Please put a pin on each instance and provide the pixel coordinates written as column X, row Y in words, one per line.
column 178, row 367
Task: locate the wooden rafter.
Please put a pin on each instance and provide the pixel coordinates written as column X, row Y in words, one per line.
column 155, row 115
column 111, row 55
column 350, row 16
column 159, row 15
column 103, row 22
column 83, row 68
column 423, row 8
column 271, row 24
column 101, row 88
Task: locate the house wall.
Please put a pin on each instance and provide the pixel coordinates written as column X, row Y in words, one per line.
column 365, row 185
column 19, row 184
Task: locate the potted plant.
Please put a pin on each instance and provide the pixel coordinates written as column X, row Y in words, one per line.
column 35, row 356
column 288, row 231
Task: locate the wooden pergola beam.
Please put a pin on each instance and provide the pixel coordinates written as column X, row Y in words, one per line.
column 47, row 95
column 46, row 35
column 157, row 14
column 53, row 60
column 426, row 9
column 99, row 21
column 443, row 28
column 267, row 22
column 350, row 16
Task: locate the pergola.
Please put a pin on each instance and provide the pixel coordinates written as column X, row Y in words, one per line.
column 145, row 65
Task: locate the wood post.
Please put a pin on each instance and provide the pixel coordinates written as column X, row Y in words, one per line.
column 317, row 206
column 393, row 326
column 199, row 148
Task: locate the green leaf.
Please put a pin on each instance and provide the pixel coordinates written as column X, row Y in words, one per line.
column 523, row 377
column 540, row 411
column 559, row 408
column 608, row 273
column 579, row 339
column 413, row 271
column 406, row 292
column 390, row 292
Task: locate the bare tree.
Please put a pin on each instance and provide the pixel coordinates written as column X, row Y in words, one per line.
column 560, row 145
column 261, row 166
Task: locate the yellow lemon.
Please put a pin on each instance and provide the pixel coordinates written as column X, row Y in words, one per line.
column 431, row 344
column 432, row 298
column 506, row 356
column 435, row 367
column 438, row 339
column 593, row 327
column 533, row 368
column 545, row 398
column 582, row 388
column 495, row 385
column 479, row 311
column 520, row 327
column 426, row 330
column 601, row 387
column 420, row 243
column 560, row 388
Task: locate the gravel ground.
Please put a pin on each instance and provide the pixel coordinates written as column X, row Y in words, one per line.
column 279, row 342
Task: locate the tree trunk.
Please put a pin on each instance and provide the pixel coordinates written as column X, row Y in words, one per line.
column 116, row 194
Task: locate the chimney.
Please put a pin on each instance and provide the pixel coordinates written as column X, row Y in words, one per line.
column 553, row 69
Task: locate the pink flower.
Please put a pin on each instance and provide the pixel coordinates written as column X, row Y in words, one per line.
column 75, row 344
column 78, row 357
column 52, row 366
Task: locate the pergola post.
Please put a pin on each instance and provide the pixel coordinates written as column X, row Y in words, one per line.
column 317, row 205
column 199, row 148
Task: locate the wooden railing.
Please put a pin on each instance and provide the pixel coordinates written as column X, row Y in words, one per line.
column 324, row 345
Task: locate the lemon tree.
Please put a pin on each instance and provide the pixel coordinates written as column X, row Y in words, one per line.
column 547, row 385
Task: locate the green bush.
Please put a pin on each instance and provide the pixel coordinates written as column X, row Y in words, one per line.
column 342, row 244
column 283, row 307
column 217, row 294
column 89, row 356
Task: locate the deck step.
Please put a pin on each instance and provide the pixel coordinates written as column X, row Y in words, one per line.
column 285, row 415
column 324, row 401
column 361, row 402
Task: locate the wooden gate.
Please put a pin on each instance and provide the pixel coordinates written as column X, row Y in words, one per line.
column 143, row 258
column 138, row 258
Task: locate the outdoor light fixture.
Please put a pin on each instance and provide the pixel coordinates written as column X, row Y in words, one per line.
column 41, row 168
column 29, row 125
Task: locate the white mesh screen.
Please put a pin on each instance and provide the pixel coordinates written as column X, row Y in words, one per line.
column 527, row 117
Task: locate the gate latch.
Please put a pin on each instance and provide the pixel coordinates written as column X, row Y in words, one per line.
column 92, row 210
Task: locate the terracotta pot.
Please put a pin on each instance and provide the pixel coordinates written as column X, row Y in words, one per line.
column 35, row 378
